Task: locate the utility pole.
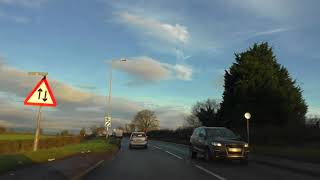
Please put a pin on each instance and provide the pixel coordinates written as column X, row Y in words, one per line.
column 109, row 108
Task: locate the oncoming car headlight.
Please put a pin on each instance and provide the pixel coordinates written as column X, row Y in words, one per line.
column 216, row 144
column 246, row 145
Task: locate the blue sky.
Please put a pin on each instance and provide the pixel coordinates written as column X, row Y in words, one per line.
column 177, row 51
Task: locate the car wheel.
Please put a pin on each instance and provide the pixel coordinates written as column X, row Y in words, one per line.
column 130, row 147
column 208, row 155
column 146, row 146
column 193, row 153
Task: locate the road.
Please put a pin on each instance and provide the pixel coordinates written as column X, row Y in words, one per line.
column 166, row 161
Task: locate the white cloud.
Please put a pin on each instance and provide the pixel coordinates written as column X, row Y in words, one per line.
column 73, row 104
column 5, row 123
column 146, row 70
column 174, row 33
column 183, row 72
column 313, row 111
column 76, row 108
column 171, row 117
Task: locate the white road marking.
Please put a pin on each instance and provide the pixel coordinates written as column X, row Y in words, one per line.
column 157, row 147
column 209, row 172
column 88, row 170
column 52, row 159
column 174, row 155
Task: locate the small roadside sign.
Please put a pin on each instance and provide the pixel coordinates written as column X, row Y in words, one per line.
column 41, row 95
column 107, row 121
column 107, row 124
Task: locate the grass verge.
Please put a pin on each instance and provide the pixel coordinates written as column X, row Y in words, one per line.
column 16, row 137
column 306, row 154
column 8, row 162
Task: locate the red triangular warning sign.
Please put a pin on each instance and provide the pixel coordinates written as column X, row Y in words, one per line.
column 41, row 95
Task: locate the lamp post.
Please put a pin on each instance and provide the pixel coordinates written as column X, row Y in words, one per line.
column 247, row 115
column 109, row 108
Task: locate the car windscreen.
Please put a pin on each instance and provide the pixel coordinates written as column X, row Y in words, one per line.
column 221, row 133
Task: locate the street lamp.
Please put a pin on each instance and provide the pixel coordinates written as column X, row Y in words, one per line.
column 109, row 108
column 247, row 115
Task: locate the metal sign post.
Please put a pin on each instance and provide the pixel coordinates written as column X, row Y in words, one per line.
column 36, row 138
column 41, row 95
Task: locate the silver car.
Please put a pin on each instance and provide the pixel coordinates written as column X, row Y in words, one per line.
column 138, row 139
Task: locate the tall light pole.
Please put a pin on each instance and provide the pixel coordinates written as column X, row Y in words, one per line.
column 247, row 115
column 109, row 108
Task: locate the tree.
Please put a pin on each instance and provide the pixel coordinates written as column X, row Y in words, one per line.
column 120, row 127
column 3, row 129
column 64, row 133
column 206, row 112
column 257, row 83
column 98, row 131
column 192, row 121
column 146, row 120
column 82, row 132
column 130, row 127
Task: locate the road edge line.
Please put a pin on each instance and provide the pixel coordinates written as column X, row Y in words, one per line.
column 88, row 170
column 174, row 155
column 95, row 166
column 210, row 172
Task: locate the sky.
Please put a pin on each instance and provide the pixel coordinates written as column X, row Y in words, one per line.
column 176, row 52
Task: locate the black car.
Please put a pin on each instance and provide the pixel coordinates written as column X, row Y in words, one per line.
column 218, row 142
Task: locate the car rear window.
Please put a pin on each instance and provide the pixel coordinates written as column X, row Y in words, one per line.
column 138, row 135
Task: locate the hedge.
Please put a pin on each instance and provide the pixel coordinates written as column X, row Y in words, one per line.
column 8, row 147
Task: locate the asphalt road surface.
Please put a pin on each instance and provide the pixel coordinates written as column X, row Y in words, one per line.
column 168, row 161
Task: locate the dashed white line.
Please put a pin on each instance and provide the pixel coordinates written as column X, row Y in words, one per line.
column 174, row 155
column 157, row 147
column 209, row 172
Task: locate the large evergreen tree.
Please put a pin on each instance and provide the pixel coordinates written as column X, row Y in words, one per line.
column 257, row 83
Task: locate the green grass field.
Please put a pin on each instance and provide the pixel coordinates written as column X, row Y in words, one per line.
column 8, row 162
column 15, row 137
